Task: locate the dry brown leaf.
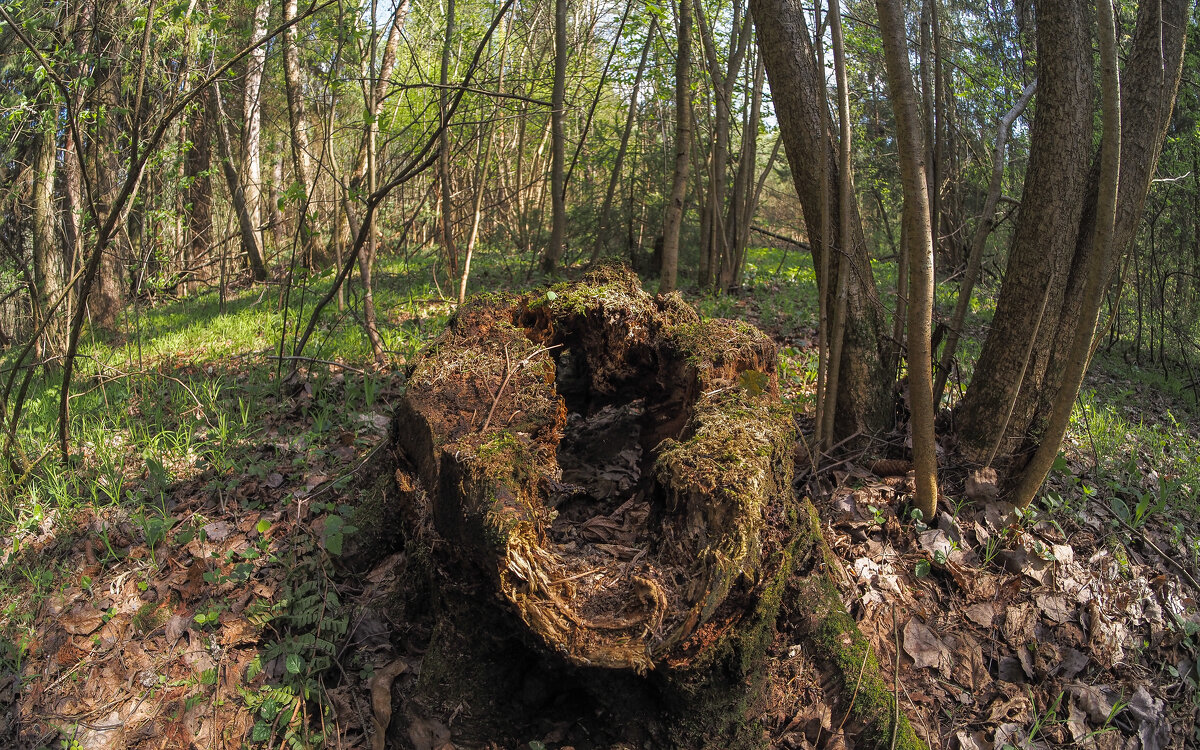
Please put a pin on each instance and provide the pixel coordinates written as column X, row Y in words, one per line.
column 83, row 619
column 925, row 648
column 381, row 702
column 983, row 614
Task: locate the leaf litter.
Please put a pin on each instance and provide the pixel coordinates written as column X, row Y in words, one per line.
column 1025, row 636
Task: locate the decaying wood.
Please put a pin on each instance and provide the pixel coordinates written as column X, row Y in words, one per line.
column 600, row 482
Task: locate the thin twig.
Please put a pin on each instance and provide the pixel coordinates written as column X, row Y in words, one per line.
column 509, row 372
column 895, row 683
column 857, row 684
column 330, row 362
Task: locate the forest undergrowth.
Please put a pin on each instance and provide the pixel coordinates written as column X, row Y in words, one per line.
column 182, row 578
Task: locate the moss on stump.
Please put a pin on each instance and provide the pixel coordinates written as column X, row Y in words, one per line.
column 605, row 484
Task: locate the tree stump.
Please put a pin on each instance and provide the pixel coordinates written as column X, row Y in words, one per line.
column 603, row 482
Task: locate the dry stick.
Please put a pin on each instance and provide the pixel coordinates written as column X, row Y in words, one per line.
column 509, row 372
column 895, row 683
column 857, row 684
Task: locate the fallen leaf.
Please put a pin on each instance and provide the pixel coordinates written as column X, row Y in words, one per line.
column 1055, row 607
column 1153, row 729
column 1073, row 662
column 427, row 734
column 1096, row 700
column 925, row 648
column 81, row 620
column 983, row 614
column 381, row 702
column 982, row 485
column 217, row 531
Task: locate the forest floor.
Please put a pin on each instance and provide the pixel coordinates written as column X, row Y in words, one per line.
column 183, row 583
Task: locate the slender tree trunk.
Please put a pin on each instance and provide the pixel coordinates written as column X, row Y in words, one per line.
column 1058, row 218
column 447, row 211
column 673, row 220
column 558, row 144
column 845, row 218
column 246, row 225
column 256, row 62
column 107, row 297
column 919, row 248
column 983, row 228
column 1052, row 203
column 864, row 397
column 630, row 118
column 47, row 255
column 294, row 82
column 717, row 241
column 745, row 194
column 197, row 165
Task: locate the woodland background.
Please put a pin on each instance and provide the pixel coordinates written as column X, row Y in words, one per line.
column 226, row 226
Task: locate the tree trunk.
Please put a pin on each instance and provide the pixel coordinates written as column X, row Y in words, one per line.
column 246, row 225
column 558, row 144
column 1058, row 219
column 919, row 241
column 447, row 206
column 294, row 81
column 1099, row 259
column 864, row 403
column 251, row 180
column 47, row 255
column 673, row 221
column 107, row 297
column 630, row 117
column 197, row 165
column 983, row 228
column 1052, row 203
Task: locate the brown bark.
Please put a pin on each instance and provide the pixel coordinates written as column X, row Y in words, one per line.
column 251, row 177
column 1052, row 203
column 107, row 297
column 717, row 241
column 1061, row 231
column 798, row 90
column 1099, row 259
column 919, row 248
column 197, row 165
column 983, row 227
column 447, row 207
column 1148, row 87
column 630, row 117
column 246, row 225
column 47, row 255
column 294, row 82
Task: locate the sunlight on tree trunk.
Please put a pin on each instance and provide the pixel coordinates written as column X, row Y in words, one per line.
column 683, row 140
column 919, row 247
column 1106, row 214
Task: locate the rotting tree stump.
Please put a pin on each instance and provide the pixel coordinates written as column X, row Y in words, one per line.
column 601, row 482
